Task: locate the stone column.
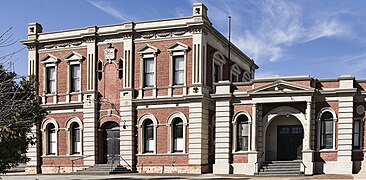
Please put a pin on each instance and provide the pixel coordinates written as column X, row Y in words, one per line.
column 34, row 151
column 222, row 132
column 198, row 135
column 254, row 127
column 307, row 153
column 89, row 103
column 127, row 133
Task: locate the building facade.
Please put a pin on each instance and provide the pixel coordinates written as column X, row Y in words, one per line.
column 163, row 96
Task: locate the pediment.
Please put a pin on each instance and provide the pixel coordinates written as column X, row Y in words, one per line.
column 73, row 56
column 49, row 58
column 147, row 49
column 280, row 86
column 178, row 47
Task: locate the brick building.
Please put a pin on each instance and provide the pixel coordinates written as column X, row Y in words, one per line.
column 163, row 96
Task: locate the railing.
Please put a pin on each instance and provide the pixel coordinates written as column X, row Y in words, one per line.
column 120, row 158
column 258, row 163
column 304, row 167
column 72, row 161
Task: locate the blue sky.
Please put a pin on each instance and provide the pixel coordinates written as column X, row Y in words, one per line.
column 323, row 39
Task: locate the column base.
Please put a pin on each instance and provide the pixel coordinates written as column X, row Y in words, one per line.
column 307, row 159
column 222, row 168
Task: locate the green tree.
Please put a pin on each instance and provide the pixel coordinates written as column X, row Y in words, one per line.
column 20, row 109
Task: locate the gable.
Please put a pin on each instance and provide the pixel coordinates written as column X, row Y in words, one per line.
column 147, row 49
column 280, row 86
column 178, row 47
column 48, row 58
column 73, row 56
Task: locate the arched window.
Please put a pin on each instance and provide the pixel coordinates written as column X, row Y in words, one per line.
column 242, row 129
column 100, row 70
column 51, row 139
column 75, row 138
column 149, row 142
column 326, row 130
column 178, row 143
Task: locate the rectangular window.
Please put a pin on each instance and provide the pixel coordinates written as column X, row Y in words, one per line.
column 178, row 70
column 356, row 134
column 243, row 132
column 51, row 79
column 327, row 134
column 75, row 78
column 216, row 73
column 149, row 72
column 178, row 138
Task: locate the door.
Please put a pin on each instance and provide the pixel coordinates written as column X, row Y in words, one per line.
column 289, row 142
column 111, row 143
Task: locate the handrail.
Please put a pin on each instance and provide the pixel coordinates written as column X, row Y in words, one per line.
column 120, row 157
column 72, row 161
column 259, row 162
column 304, row 167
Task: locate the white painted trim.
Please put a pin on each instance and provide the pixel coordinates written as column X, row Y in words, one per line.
column 335, row 119
column 218, row 59
column 69, row 137
column 171, row 118
column 235, row 70
column 235, row 131
column 147, row 51
column 278, row 111
column 45, row 135
column 141, row 129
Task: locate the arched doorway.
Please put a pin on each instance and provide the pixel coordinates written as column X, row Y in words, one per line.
column 284, row 138
column 111, row 143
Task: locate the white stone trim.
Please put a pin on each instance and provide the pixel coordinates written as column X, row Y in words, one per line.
column 326, row 109
column 235, row 70
column 147, row 51
column 218, row 59
column 45, row 135
column 177, row 49
column 235, row 130
column 73, row 58
column 141, row 121
column 48, row 61
column 278, row 111
column 69, row 137
column 171, row 118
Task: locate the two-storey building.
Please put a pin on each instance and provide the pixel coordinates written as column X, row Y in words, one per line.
column 163, row 96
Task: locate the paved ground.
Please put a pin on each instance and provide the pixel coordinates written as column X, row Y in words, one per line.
column 166, row 177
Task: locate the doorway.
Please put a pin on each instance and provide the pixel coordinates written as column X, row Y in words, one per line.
column 289, row 142
column 111, row 142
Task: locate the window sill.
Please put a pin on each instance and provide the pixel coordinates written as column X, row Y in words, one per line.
column 242, row 152
column 327, row 150
column 167, row 154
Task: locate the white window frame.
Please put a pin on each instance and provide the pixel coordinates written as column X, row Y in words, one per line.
column 218, row 59
column 69, row 136
column 235, row 131
column 45, row 133
column 73, row 58
column 244, row 78
column 147, row 51
column 234, row 71
column 177, row 49
column 327, row 109
column 170, row 121
column 142, row 131
column 49, row 61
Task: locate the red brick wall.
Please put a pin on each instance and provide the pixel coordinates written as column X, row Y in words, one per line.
column 325, row 156
column 240, row 158
column 62, row 81
column 163, row 61
column 61, row 120
column 162, row 145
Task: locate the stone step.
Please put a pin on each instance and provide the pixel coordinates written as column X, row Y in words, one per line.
column 103, row 170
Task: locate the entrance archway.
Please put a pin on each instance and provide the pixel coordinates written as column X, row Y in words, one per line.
column 111, row 143
column 283, row 134
column 284, row 139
